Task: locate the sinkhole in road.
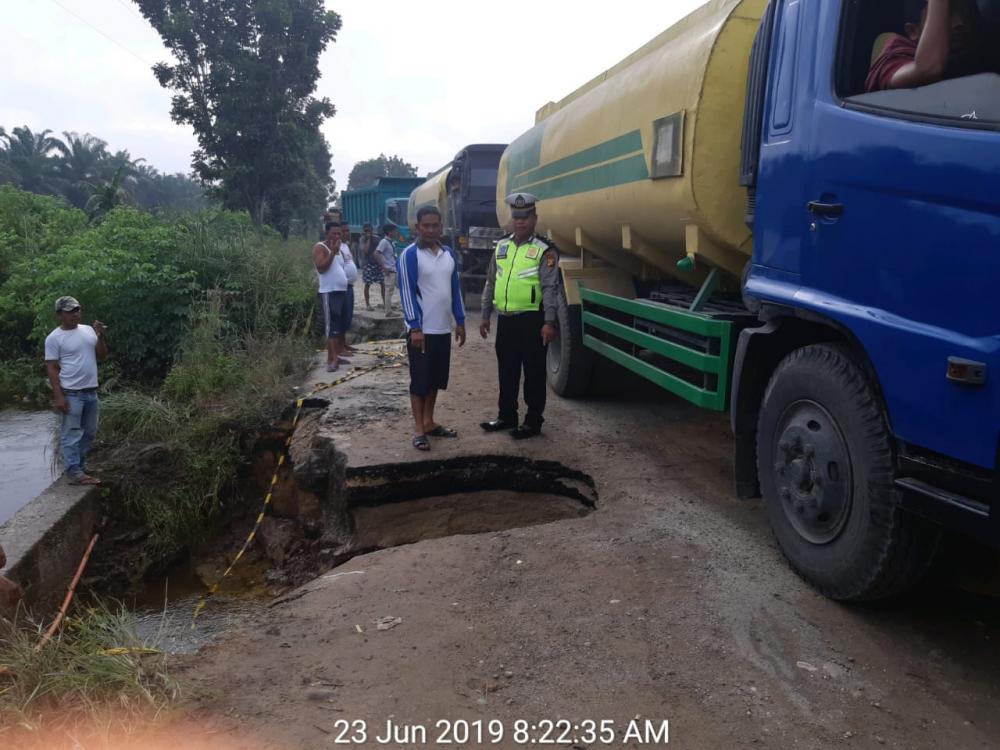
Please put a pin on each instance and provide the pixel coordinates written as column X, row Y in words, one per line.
column 404, row 503
column 383, row 506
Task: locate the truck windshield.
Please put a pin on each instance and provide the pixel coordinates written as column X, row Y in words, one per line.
column 395, row 211
column 483, row 177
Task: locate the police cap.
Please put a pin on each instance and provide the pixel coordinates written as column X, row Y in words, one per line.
column 522, row 204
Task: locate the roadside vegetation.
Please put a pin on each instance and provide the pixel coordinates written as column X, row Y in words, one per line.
column 208, row 324
column 97, row 677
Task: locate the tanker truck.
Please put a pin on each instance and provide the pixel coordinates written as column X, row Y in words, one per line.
column 463, row 191
column 741, row 224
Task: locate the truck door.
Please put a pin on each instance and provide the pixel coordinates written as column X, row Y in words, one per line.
column 785, row 139
column 902, row 209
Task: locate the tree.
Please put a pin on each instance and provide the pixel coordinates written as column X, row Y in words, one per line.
column 79, row 163
column 244, row 79
column 27, row 155
column 366, row 172
column 170, row 193
column 109, row 195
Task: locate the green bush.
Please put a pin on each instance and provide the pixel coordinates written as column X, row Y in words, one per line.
column 207, row 329
column 139, row 274
column 178, row 452
column 33, row 225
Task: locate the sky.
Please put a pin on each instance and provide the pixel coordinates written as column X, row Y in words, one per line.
column 419, row 79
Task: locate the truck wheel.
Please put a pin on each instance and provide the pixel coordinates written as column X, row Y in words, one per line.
column 569, row 364
column 825, row 462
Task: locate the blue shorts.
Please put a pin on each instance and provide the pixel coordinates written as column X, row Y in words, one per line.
column 333, row 312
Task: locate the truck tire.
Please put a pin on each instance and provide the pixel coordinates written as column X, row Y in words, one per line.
column 568, row 363
column 825, row 460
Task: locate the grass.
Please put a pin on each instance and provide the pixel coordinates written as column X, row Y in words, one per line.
column 178, row 451
column 97, row 677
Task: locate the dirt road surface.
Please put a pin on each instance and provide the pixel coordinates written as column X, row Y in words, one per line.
column 668, row 602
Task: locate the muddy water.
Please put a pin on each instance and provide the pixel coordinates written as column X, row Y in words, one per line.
column 25, row 457
column 165, row 612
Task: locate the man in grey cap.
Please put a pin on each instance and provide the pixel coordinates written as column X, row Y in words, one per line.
column 523, row 284
column 72, row 352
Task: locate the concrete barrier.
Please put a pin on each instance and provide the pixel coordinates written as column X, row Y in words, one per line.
column 45, row 540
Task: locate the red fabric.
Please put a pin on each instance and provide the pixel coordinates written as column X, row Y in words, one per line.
column 898, row 52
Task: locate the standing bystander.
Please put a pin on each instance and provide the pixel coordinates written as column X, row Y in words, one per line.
column 431, row 293
column 385, row 255
column 72, row 352
column 329, row 265
column 371, row 269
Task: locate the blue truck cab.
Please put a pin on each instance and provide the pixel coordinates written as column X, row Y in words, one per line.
column 866, row 403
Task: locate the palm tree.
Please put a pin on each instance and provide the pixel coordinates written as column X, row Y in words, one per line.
column 7, row 174
column 109, row 195
column 79, row 163
column 27, row 154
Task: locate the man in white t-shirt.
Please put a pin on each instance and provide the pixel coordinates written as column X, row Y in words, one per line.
column 385, row 256
column 329, row 265
column 72, row 352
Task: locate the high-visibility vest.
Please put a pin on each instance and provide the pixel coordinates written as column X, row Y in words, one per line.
column 518, row 287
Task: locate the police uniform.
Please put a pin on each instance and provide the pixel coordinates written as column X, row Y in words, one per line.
column 523, row 284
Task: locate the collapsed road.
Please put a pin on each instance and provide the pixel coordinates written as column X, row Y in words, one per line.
column 625, row 582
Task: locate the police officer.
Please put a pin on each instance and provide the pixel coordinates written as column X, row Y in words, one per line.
column 523, row 285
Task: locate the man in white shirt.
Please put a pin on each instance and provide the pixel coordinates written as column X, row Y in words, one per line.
column 329, row 265
column 72, row 352
column 385, row 255
column 431, row 292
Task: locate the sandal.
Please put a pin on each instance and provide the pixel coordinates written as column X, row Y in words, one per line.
column 421, row 443
column 445, row 432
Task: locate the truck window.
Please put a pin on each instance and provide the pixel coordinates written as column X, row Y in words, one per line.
column 483, row 177
column 969, row 94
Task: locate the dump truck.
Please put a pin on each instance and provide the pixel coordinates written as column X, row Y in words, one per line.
column 743, row 225
column 463, row 191
column 382, row 202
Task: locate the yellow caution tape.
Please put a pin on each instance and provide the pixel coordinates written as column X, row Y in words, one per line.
column 122, row 651
column 358, row 372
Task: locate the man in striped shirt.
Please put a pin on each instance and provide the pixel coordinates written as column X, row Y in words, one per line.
column 431, row 293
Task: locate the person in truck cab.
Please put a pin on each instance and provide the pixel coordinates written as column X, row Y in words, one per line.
column 941, row 39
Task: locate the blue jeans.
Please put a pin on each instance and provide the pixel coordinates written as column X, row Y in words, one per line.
column 77, row 430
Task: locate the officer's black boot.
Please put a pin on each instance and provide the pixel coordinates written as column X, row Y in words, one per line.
column 500, row 423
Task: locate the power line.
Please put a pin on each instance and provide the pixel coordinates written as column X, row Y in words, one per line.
column 132, row 8
column 111, row 39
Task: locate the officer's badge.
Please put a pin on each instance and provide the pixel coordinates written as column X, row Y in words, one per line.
column 502, row 250
column 531, row 253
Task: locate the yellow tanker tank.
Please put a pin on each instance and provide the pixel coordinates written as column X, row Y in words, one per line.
column 640, row 166
column 432, row 192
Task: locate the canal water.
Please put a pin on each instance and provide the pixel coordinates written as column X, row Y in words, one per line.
column 25, row 457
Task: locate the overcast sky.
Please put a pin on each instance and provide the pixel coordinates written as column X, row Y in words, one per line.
column 418, row 79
